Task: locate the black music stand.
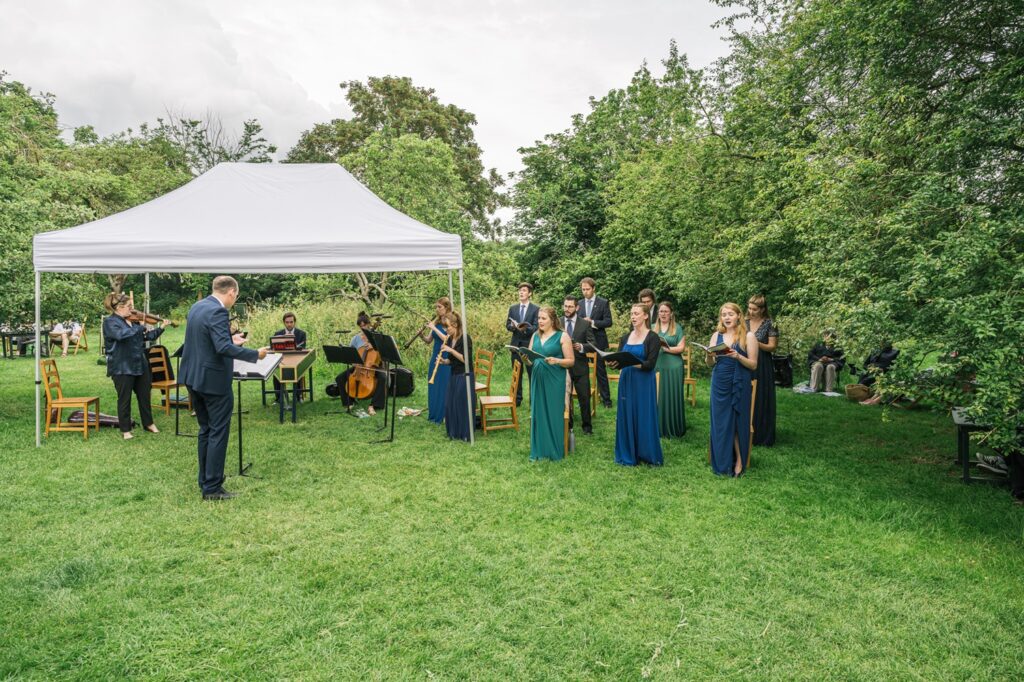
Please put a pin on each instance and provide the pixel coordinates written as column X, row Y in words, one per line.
column 342, row 355
column 177, row 393
column 249, row 371
column 387, row 348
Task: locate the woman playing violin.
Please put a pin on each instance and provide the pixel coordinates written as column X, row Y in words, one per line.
column 125, row 336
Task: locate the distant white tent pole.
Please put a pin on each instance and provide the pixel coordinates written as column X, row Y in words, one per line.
column 467, row 359
column 38, row 382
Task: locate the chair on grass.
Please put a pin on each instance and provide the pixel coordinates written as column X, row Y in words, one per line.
column 56, row 403
column 163, row 379
column 497, row 402
column 592, row 369
column 689, row 383
column 612, row 347
column 483, row 366
column 82, row 342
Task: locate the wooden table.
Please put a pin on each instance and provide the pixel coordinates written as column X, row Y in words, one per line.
column 290, row 373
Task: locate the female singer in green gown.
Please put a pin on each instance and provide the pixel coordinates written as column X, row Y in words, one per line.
column 549, row 387
column 671, row 388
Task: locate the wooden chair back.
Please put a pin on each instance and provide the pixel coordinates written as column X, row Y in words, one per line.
column 483, row 367
column 613, row 347
column 57, row 402
column 689, row 383
column 488, row 403
column 51, row 380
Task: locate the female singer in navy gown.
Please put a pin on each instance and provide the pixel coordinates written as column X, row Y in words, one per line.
column 458, row 416
column 637, row 435
column 730, row 392
column 767, row 335
column 437, row 391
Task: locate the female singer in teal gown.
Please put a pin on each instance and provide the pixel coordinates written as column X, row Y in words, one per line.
column 670, row 367
column 730, row 392
column 637, row 436
column 438, row 390
column 458, row 409
column 549, row 384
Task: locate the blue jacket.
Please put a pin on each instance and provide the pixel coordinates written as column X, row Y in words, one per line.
column 124, row 344
column 209, row 354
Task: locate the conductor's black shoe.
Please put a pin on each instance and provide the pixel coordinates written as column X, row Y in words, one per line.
column 219, row 495
column 607, row 403
column 588, row 430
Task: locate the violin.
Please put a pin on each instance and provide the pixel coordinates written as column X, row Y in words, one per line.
column 363, row 380
column 148, row 318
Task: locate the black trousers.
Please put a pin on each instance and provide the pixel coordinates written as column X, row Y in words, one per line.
column 522, row 379
column 603, row 391
column 582, row 385
column 126, row 385
column 213, row 412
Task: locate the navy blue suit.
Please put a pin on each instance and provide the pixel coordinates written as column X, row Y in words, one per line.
column 206, row 368
column 600, row 315
column 521, row 339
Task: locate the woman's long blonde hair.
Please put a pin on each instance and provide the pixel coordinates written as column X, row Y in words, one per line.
column 741, row 324
column 556, row 323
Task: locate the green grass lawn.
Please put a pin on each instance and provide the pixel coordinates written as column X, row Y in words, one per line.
column 851, row 550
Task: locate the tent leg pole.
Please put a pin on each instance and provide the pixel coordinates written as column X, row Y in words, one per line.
column 146, row 308
column 38, row 382
column 469, row 361
column 451, row 291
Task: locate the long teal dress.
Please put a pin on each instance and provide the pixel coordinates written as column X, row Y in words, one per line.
column 548, row 385
column 437, row 391
column 671, row 391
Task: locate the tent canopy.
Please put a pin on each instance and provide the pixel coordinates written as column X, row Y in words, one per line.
column 252, row 218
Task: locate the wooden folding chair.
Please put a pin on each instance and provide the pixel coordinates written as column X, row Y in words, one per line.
column 83, row 340
column 689, row 383
column 612, row 347
column 56, row 403
column 163, row 379
column 497, row 402
column 483, row 366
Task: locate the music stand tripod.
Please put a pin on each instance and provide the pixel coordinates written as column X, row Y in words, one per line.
column 387, row 348
column 346, row 355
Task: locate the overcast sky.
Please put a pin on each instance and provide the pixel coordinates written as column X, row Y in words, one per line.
column 522, row 67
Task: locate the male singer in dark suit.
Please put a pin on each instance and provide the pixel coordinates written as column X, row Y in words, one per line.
column 582, row 334
column 300, row 344
column 206, row 369
column 522, row 322
column 646, row 296
column 598, row 313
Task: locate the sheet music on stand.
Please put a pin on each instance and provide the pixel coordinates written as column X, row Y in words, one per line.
column 261, row 369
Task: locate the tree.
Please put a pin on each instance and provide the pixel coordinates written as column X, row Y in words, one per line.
column 393, row 107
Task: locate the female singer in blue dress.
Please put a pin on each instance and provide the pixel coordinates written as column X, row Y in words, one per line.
column 549, row 387
column 637, row 435
column 458, row 416
column 437, row 390
column 730, row 392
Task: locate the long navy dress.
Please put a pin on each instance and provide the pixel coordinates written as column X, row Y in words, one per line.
column 730, row 412
column 637, row 435
column 437, row 391
column 764, row 401
column 458, row 419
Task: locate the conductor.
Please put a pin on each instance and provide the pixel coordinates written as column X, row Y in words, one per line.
column 206, row 369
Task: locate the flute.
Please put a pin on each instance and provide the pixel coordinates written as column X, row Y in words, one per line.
column 437, row 363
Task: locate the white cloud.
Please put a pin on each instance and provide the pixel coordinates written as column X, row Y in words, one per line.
column 522, row 67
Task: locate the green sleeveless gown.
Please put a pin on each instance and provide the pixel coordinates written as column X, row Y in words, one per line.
column 547, row 401
column 671, row 392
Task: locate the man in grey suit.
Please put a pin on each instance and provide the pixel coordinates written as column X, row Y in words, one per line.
column 582, row 335
column 598, row 313
column 206, row 369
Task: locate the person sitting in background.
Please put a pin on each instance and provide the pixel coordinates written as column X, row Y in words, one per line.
column 828, row 359
column 300, row 344
column 66, row 334
column 878, row 362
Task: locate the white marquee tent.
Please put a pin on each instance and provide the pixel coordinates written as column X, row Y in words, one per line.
column 252, row 218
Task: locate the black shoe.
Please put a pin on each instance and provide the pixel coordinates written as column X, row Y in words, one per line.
column 219, row 495
column 607, row 403
column 588, row 431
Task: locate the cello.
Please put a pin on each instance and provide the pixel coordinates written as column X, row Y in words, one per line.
column 362, row 382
